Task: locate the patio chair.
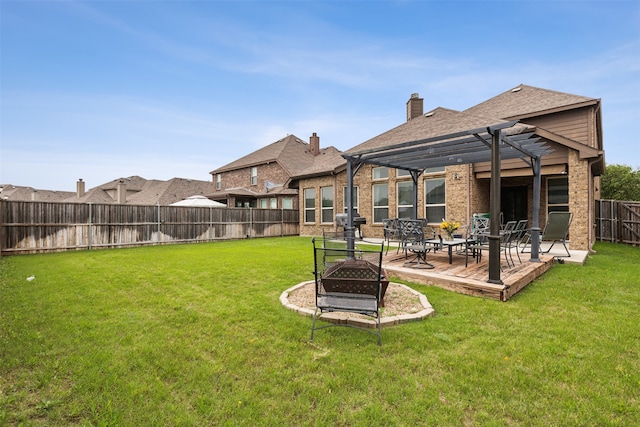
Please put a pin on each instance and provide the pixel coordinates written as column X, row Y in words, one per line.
column 391, row 229
column 350, row 282
column 556, row 230
column 516, row 237
column 411, row 232
column 506, row 234
column 475, row 236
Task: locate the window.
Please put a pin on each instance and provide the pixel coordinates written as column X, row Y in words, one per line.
column 404, row 194
column 254, row 175
column 310, row 205
column 327, row 204
column 402, row 172
column 218, row 181
column 380, row 202
column 287, row 203
column 354, row 196
column 380, row 173
column 435, row 169
column 558, row 194
column 263, row 203
column 273, row 203
column 434, row 200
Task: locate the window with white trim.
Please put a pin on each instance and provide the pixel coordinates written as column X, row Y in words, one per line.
column 404, row 195
column 218, row 181
column 287, row 203
column 254, row 175
column 558, row 194
column 435, row 207
column 380, row 202
column 326, row 194
column 380, row 173
column 263, row 203
column 310, row 205
column 273, row 203
column 402, row 173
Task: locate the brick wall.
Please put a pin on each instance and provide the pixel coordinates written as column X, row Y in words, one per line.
column 580, row 201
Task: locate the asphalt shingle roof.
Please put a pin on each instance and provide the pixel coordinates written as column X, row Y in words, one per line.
column 525, row 101
column 438, row 122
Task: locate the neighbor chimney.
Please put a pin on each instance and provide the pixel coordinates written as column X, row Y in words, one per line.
column 80, row 188
column 415, row 106
column 314, row 142
column 34, row 196
column 121, row 195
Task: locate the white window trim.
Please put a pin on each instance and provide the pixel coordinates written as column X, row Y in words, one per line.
column 426, row 205
column 304, row 198
column 398, row 205
column 327, row 208
column 373, row 201
column 373, row 178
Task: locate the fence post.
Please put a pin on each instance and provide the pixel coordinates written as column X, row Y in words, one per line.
column 210, row 223
column 158, row 222
column 90, row 229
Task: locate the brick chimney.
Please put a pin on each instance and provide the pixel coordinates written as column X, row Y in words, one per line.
column 415, row 106
column 80, row 188
column 121, row 193
column 314, row 143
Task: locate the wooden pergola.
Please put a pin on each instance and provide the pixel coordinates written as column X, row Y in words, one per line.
column 491, row 143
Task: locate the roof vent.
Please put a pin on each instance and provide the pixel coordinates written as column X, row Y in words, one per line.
column 429, row 114
column 517, row 89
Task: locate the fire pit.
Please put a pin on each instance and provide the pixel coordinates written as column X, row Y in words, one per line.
column 355, row 276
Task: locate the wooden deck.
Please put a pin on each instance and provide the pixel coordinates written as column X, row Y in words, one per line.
column 471, row 280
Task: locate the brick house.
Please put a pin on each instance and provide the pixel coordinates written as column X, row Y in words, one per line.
column 570, row 125
column 268, row 178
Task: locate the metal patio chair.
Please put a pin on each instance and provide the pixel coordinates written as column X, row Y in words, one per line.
column 555, row 231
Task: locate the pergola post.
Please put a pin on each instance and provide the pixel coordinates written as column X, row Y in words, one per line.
column 494, row 231
column 414, row 176
column 349, row 229
column 535, row 214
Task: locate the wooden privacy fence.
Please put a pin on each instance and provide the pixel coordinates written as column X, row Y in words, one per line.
column 618, row 221
column 32, row 227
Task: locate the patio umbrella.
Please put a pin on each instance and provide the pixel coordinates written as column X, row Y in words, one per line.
column 198, row 201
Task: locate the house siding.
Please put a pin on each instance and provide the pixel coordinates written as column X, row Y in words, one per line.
column 572, row 124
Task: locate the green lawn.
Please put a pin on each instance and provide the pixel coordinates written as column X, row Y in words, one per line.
column 195, row 335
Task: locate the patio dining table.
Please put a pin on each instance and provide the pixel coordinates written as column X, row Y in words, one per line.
column 450, row 244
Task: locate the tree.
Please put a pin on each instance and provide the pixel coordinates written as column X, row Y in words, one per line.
column 620, row 182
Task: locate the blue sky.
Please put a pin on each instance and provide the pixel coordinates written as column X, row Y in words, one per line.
column 106, row 89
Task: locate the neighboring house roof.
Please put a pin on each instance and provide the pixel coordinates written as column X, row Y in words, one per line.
column 329, row 160
column 290, row 152
column 438, row 122
column 18, row 193
column 526, row 101
column 141, row 191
